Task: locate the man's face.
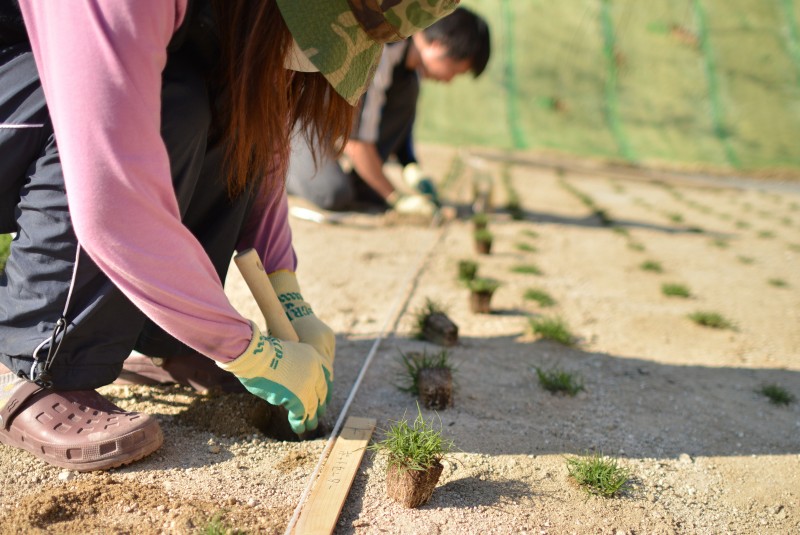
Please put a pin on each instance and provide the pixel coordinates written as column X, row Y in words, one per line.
column 436, row 65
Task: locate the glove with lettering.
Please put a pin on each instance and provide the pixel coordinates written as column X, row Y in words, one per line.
column 309, row 328
column 292, row 374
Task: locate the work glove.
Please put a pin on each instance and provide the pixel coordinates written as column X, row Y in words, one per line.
column 309, row 328
column 292, row 374
column 413, row 204
column 415, row 178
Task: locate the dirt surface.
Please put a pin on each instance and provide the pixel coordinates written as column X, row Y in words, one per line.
column 673, row 401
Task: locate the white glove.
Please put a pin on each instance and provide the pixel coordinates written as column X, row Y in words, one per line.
column 420, row 181
column 414, row 204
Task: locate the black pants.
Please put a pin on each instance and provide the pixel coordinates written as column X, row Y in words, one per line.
column 103, row 326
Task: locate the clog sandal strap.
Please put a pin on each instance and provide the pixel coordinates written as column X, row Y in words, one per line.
column 21, row 394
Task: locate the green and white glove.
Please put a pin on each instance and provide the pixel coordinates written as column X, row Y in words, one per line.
column 414, row 177
column 414, row 204
column 292, row 374
column 309, row 328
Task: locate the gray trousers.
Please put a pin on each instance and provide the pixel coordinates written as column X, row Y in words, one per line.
column 325, row 183
column 102, row 325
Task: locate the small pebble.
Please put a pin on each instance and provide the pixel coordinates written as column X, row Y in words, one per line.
column 66, row 475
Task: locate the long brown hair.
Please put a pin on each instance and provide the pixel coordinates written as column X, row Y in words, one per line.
column 261, row 100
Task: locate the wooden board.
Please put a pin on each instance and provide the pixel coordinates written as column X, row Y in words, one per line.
column 326, row 500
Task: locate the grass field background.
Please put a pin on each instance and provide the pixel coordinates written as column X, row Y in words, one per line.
column 714, row 83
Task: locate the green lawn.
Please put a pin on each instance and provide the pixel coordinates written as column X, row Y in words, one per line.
column 710, row 82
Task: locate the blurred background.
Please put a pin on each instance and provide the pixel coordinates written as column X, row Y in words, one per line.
column 678, row 84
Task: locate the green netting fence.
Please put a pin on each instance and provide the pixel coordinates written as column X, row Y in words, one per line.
column 695, row 82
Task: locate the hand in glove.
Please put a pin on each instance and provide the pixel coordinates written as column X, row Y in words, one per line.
column 291, row 374
column 309, row 328
column 414, row 204
column 414, row 177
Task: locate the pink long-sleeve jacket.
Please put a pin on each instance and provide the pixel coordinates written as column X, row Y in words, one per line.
column 100, row 63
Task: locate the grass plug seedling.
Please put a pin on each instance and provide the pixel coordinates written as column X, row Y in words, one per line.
column 651, row 265
column 778, row 283
column 527, row 269
column 714, row 320
column 434, row 325
column 671, row 289
column 777, row 395
column 430, row 377
column 559, row 381
column 515, row 209
column 599, row 475
column 415, row 452
column 540, row 296
column 480, row 220
column 745, row 259
column 481, row 291
column 552, row 328
column 525, row 247
column 483, row 241
column 766, row 234
column 467, row 270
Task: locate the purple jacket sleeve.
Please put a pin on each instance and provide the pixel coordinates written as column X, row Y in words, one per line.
column 267, row 231
column 100, row 62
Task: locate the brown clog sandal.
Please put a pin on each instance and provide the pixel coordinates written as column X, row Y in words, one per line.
column 195, row 370
column 80, row 430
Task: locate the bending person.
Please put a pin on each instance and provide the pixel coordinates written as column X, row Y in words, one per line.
column 142, row 142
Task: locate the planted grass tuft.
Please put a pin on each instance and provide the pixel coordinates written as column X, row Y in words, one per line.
column 675, row 217
column 552, row 328
column 721, row 243
column 467, row 270
column 776, row 394
column 651, row 265
column 636, row 246
column 525, row 247
column 429, row 309
column 766, row 234
column 527, row 269
column 559, row 381
column 540, row 296
column 673, row 289
column 711, row 319
column 414, row 363
column 599, row 475
column 745, row 259
column 778, row 283
column 415, row 446
column 216, row 526
column 529, row 233
column 622, row 231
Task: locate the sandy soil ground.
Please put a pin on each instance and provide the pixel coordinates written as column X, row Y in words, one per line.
column 675, row 402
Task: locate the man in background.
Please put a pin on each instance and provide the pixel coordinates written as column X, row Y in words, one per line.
column 457, row 44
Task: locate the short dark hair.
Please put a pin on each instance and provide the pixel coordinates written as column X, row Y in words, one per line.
column 466, row 36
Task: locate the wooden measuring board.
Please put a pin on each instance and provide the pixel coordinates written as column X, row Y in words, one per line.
column 322, row 509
